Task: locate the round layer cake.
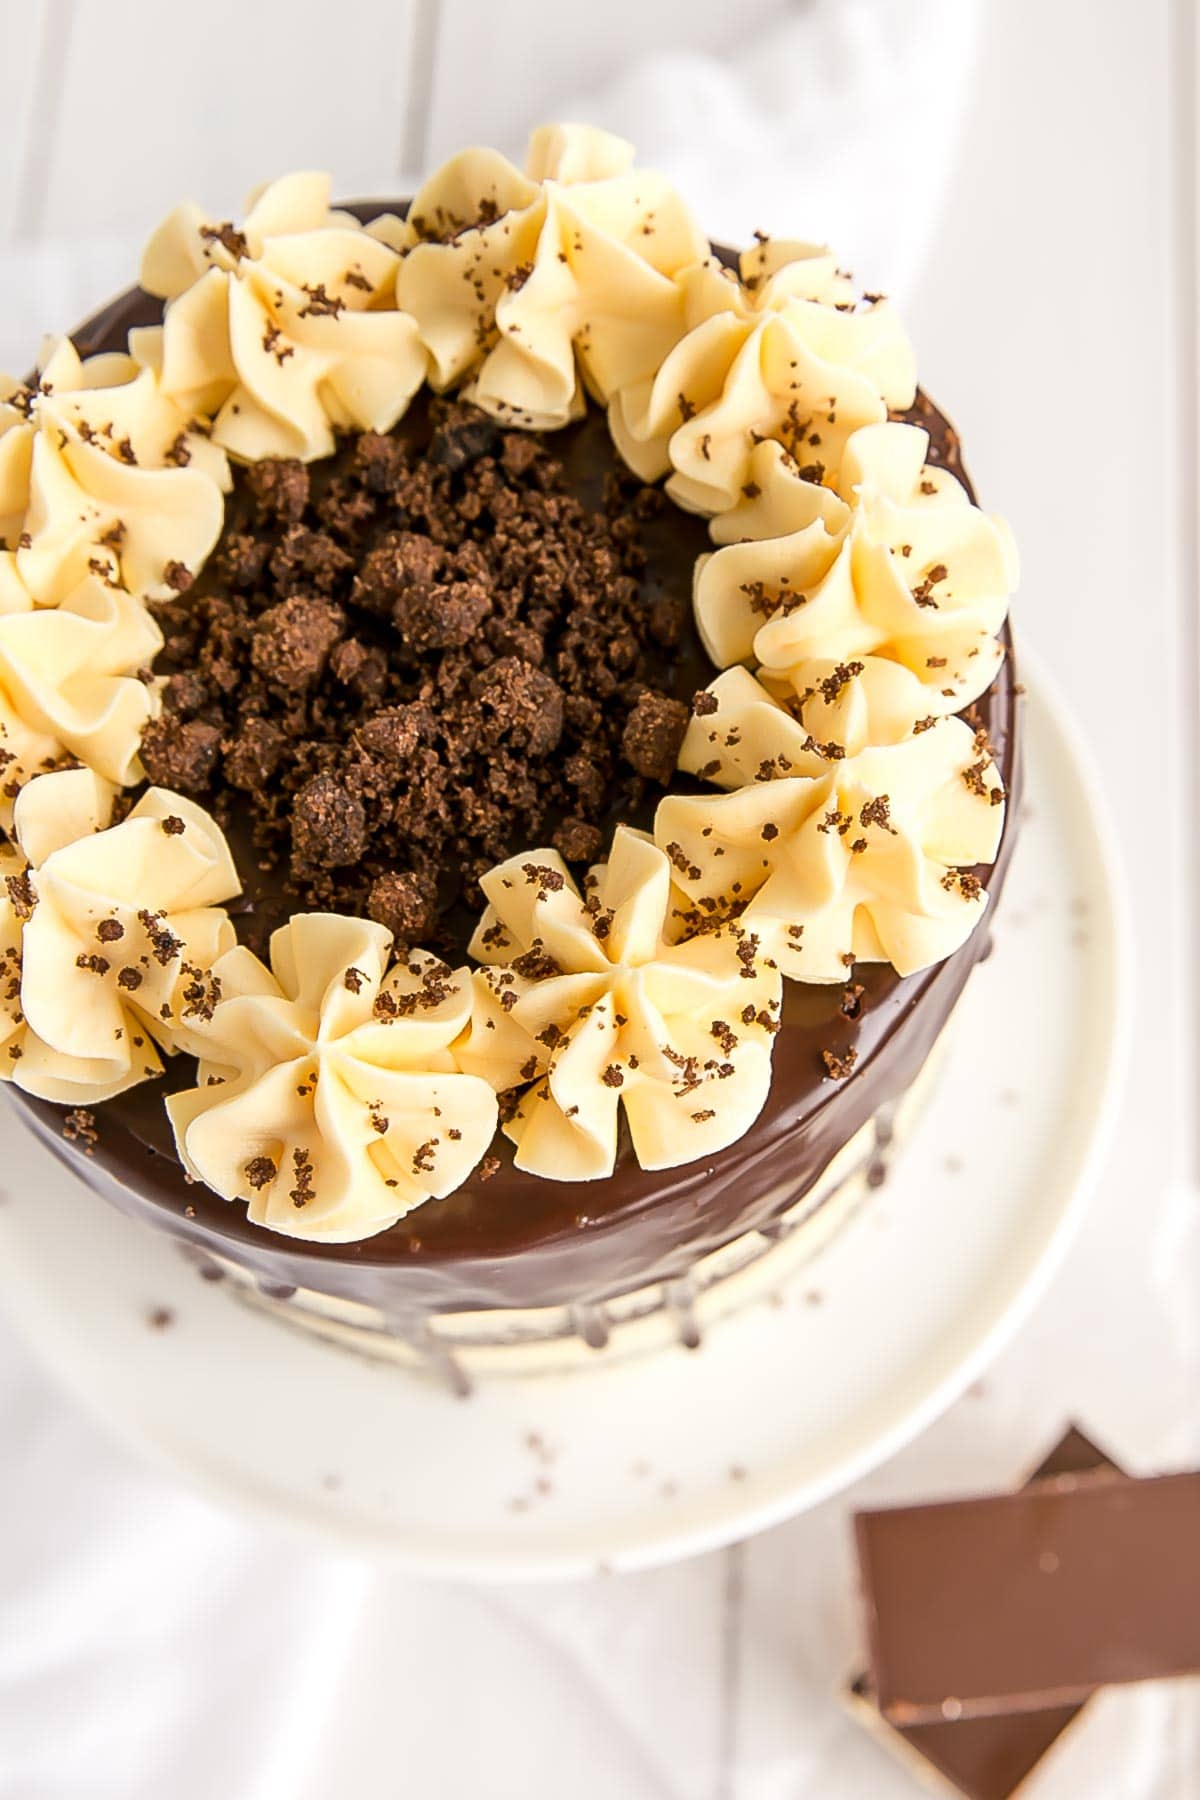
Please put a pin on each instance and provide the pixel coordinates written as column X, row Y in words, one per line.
column 452, row 668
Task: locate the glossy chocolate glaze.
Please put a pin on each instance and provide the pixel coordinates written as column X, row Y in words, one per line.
column 519, row 1240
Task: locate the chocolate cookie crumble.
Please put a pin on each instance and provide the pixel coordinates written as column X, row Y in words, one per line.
column 412, row 660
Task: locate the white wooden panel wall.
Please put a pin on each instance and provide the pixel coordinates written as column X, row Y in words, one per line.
column 143, row 103
column 500, row 70
column 116, row 110
column 21, row 34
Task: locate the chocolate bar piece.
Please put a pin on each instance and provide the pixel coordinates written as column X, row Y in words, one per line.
column 1032, row 1600
column 987, row 1759
column 981, row 1759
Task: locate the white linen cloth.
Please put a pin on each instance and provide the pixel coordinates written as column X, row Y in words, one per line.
column 153, row 1647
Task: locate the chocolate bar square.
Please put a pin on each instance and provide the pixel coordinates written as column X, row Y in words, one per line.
column 1033, row 1599
column 989, row 1758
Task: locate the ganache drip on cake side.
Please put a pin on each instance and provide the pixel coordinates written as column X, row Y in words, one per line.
column 516, row 1240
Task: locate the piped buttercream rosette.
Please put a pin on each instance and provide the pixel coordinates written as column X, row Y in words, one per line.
column 329, row 1095
column 101, row 474
column 530, row 288
column 107, row 934
column 913, row 573
column 71, row 687
column 781, row 357
column 285, row 331
column 833, row 842
column 586, row 1007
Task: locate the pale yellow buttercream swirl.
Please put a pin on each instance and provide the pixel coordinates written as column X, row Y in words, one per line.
column 106, row 933
column 781, row 355
column 911, row 572
column 286, row 331
column 328, row 1094
column 842, row 837
column 529, row 289
column 70, row 687
column 589, row 1005
column 100, row 473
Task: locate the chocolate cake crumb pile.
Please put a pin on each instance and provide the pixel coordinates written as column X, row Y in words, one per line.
column 415, row 659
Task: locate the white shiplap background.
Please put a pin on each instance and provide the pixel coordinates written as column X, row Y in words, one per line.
column 1054, row 315
column 125, row 105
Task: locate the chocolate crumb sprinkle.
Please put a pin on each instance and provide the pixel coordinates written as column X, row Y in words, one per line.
column 178, row 576
column 839, row 1067
column 852, row 999
column 79, row 1127
column 303, row 1190
column 229, row 238
column 22, row 895
column 260, row 1172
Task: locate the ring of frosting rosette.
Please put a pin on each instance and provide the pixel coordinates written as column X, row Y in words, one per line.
column 328, row 1094
column 586, row 1007
column 342, row 1086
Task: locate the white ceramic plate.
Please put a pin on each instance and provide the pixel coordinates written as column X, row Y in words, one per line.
column 784, row 1404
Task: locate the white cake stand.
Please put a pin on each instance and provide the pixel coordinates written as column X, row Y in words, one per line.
column 626, row 1465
